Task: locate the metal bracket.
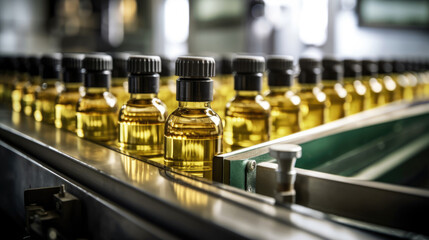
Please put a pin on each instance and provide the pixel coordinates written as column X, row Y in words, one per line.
column 250, row 175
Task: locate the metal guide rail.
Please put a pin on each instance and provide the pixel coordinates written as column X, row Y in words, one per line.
column 122, row 197
column 371, row 167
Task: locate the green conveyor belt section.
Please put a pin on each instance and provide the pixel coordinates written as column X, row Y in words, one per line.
column 349, row 153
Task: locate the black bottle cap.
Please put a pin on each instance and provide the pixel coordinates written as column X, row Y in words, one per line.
column 195, row 67
column 22, row 64
column 398, row 66
column 194, row 84
column 34, row 65
column 51, row 66
column 369, row 68
column 144, row 77
column 352, row 68
column 167, row 66
column 73, row 71
column 280, row 71
column 225, row 65
column 248, row 72
column 120, row 64
column 97, row 68
column 385, row 66
column 333, row 69
column 311, row 71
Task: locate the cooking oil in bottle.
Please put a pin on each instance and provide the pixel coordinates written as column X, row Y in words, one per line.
column 193, row 132
column 66, row 101
column 375, row 89
column 22, row 80
column 167, row 88
column 119, row 87
column 313, row 99
column 96, row 110
column 404, row 87
column 29, row 92
column 247, row 115
column 392, row 91
column 49, row 88
column 142, row 118
column 356, row 90
column 415, row 66
column 337, row 103
column 224, row 89
column 285, row 104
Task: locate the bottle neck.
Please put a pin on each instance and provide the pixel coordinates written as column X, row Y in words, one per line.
column 143, row 95
column 243, row 93
column 278, row 89
column 95, row 90
column 72, row 86
column 116, row 81
column 309, row 86
column 194, row 105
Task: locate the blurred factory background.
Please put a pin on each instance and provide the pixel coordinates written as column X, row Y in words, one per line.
column 347, row 28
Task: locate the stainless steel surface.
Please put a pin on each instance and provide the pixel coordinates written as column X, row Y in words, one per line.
column 378, row 203
column 175, row 203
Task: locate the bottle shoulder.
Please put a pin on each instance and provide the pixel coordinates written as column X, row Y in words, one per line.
column 283, row 99
column 257, row 104
column 195, row 119
column 97, row 102
column 139, row 110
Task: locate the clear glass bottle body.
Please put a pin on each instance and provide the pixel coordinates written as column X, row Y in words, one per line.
column 336, row 100
column 356, row 95
column 65, row 106
column 193, row 135
column 285, row 111
column 247, row 120
column 167, row 92
column 44, row 109
column 96, row 115
column 119, row 89
column 18, row 91
column 141, row 125
column 375, row 92
column 313, row 105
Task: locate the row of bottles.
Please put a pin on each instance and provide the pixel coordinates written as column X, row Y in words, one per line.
column 134, row 103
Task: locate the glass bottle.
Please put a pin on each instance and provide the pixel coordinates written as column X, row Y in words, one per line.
column 375, row 90
column 142, row 118
column 356, row 90
column 22, row 80
column 29, row 92
column 313, row 99
column 49, row 88
column 224, row 84
column 247, row 115
column 193, row 132
column 285, row 104
column 96, row 110
column 337, row 103
column 404, row 87
column 119, row 87
column 167, row 88
column 392, row 91
column 66, row 101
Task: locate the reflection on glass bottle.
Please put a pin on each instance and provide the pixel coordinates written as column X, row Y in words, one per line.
column 404, row 87
column 119, row 86
column 193, row 132
column 356, row 90
column 66, row 101
column 375, row 90
column 286, row 116
column 337, row 104
column 247, row 115
column 45, row 95
column 142, row 118
column 385, row 68
column 313, row 99
column 29, row 93
column 96, row 111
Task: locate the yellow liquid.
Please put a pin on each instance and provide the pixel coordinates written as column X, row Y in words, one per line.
column 29, row 99
column 141, row 126
column 285, row 112
column 392, row 91
column 404, row 87
column 193, row 136
column 376, row 92
column 167, row 92
column 65, row 108
column 17, row 94
column 336, row 100
column 356, row 92
column 313, row 106
column 96, row 115
column 120, row 90
column 45, row 103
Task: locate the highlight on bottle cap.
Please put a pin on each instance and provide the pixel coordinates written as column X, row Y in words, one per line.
column 144, row 64
column 248, row 64
column 192, row 66
column 97, row 62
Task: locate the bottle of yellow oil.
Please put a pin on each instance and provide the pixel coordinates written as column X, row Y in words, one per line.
column 337, row 103
column 392, row 91
column 313, row 99
column 21, row 82
column 425, row 76
column 66, row 101
column 119, row 86
column 96, row 110
column 49, row 88
column 356, row 90
column 29, row 92
column 247, row 115
column 193, row 132
column 375, row 90
column 404, row 87
column 142, row 118
column 285, row 104
column 412, row 78
column 416, row 70
column 167, row 88
column 224, row 85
